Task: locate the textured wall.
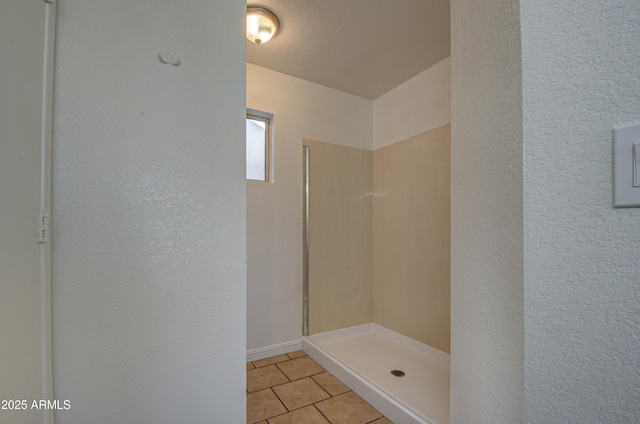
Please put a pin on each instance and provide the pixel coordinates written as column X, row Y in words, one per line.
column 340, row 242
column 581, row 64
column 411, row 244
column 486, row 213
column 149, row 212
column 274, row 210
column 415, row 106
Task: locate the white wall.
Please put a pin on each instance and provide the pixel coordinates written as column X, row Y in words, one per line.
column 581, row 61
column 487, row 344
column 274, row 210
column 415, row 106
column 149, row 212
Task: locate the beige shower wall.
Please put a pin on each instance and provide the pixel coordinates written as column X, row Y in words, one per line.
column 340, row 236
column 411, row 237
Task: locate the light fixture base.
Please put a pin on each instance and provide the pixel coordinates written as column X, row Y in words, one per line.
column 262, row 24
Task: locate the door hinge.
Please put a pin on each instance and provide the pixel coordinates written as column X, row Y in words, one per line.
column 43, row 226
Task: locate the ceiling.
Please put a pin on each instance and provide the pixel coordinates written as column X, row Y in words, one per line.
column 362, row 47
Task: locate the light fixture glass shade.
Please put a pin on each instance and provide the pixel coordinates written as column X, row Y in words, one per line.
column 262, row 24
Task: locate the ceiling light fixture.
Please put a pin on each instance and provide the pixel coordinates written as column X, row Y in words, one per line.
column 262, row 24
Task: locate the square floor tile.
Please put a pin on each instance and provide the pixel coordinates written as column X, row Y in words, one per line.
column 296, row 354
column 306, row 415
column 347, row 408
column 330, row 384
column 300, row 368
column 262, row 405
column 261, row 378
column 269, row 361
column 300, row 393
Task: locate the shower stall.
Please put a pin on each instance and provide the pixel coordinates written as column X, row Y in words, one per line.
column 376, row 271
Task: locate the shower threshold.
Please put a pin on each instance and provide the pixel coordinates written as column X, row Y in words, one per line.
column 367, row 358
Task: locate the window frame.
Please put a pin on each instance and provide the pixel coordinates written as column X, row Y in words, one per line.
column 267, row 118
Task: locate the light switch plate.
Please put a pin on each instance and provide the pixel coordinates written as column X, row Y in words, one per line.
column 625, row 167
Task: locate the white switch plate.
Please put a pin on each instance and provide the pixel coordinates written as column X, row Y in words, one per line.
column 625, row 194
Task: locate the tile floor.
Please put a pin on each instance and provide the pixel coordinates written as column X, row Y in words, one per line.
column 294, row 389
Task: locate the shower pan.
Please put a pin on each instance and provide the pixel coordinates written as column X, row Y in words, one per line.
column 405, row 380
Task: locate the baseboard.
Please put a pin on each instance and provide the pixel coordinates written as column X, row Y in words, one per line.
column 273, row 350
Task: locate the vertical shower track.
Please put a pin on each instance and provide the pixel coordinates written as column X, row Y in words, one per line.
column 305, row 208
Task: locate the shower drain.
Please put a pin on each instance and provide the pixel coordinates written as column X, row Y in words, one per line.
column 398, row 373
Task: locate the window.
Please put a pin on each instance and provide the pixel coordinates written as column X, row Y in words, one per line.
column 258, row 145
